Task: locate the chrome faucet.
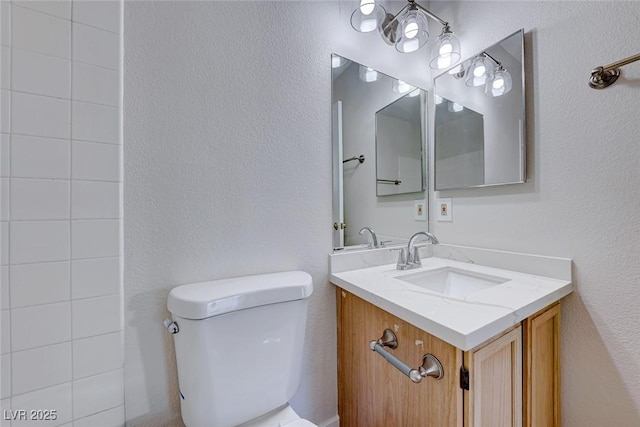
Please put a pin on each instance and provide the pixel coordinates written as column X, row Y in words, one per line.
column 373, row 239
column 409, row 257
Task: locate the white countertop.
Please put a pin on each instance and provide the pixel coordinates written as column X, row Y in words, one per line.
column 463, row 322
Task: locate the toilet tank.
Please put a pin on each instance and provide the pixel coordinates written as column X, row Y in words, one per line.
column 239, row 345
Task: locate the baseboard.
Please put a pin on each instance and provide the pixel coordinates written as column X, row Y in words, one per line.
column 331, row 422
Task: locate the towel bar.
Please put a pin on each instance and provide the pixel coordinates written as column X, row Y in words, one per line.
column 431, row 366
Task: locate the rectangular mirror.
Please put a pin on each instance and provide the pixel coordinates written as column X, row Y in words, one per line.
column 480, row 119
column 399, row 145
column 379, row 133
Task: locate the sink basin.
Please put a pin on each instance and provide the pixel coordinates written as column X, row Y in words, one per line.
column 452, row 282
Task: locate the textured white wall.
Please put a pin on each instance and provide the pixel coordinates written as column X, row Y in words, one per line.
column 582, row 199
column 228, row 169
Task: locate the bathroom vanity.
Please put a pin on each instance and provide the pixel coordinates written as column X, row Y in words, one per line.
column 495, row 331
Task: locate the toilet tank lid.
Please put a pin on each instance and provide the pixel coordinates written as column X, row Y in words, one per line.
column 207, row 299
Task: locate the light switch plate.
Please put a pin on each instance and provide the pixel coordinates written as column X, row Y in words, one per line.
column 420, row 210
column 444, row 210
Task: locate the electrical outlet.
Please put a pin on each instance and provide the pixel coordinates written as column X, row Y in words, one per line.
column 420, row 210
column 444, row 210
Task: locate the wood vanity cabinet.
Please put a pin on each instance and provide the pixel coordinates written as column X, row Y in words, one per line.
column 512, row 378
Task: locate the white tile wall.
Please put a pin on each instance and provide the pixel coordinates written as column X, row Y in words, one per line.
column 94, row 161
column 39, row 199
column 95, row 200
column 60, row 211
column 31, row 369
column 94, row 46
column 5, row 155
column 97, row 393
column 6, row 332
column 40, row 74
column 57, row 397
column 5, row 106
column 96, row 84
column 111, row 418
column 5, row 375
column 93, row 122
column 41, row 283
column 4, row 245
column 35, row 157
column 5, row 201
column 95, row 238
column 5, row 34
column 5, row 81
column 5, row 405
column 40, row 241
column 40, row 325
column 59, row 8
column 95, row 277
column 53, row 115
column 36, row 31
column 96, row 316
column 96, row 355
column 4, row 283
column 102, row 14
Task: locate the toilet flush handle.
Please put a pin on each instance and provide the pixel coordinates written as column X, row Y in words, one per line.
column 171, row 326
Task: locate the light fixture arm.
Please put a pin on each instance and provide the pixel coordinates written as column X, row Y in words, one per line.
column 498, row 63
column 429, row 14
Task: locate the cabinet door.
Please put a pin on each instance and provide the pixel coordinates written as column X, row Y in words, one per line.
column 495, row 390
column 542, row 363
column 371, row 392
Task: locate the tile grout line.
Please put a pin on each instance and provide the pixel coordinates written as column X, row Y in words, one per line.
column 64, row 19
column 9, row 198
column 71, row 208
column 62, row 98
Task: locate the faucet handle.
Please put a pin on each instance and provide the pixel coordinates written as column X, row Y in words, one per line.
column 402, row 258
column 415, row 258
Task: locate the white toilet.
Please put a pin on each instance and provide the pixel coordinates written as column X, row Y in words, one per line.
column 239, row 349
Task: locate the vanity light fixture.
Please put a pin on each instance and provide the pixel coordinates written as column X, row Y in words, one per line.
column 486, row 70
column 479, row 72
column 368, row 16
column 408, row 30
column 413, row 93
column 500, row 84
column 337, row 61
column 454, row 107
column 438, row 99
column 367, row 74
column 400, row 86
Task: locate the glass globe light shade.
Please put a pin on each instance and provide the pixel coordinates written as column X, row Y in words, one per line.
column 446, row 51
column 480, row 72
column 412, row 32
column 368, row 16
column 454, row 107
column 400, row 86
column 367, row 74
column 500, row 84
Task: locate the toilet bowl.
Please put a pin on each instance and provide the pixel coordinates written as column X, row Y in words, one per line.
column 281, row 417
column 239, row 349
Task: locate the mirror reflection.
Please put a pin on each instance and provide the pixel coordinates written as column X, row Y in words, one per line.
column 379, row 133
column 399, row 145
column 479, row 119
